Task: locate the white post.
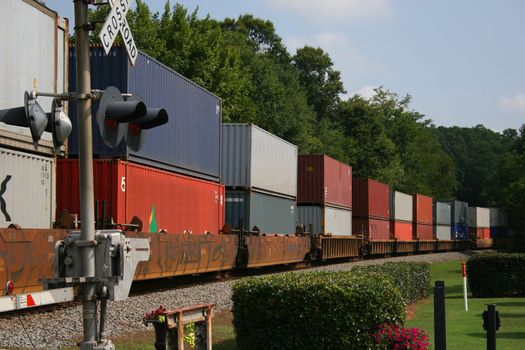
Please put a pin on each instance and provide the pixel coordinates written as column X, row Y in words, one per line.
column 464, row 270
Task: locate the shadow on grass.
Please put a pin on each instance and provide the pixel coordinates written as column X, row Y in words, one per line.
column 500, row 335
column 511, row 303
column 229, row 344
column 504, row 315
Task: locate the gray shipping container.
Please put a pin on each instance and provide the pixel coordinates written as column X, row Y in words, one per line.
column 255, row 158
column 325, row 220
column 478, row 217
column 271, row 214
column 442, row 232
column 401, row 206
column 498, row 218
column 33, row 52
column 29, row 181
column 459, row 211
column 442, row 212
column 190, row 143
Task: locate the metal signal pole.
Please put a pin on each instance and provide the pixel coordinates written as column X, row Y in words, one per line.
column 85, row 140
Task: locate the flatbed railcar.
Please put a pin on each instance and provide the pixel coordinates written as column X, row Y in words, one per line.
column 28, row 255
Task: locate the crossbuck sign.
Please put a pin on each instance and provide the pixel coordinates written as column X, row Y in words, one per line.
column 116, row 22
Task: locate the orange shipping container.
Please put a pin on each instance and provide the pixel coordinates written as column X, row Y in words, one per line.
column 422, row 207
column 401, row 230
column 161, row 199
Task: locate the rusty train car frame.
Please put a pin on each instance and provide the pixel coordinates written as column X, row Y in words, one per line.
column 27, row 255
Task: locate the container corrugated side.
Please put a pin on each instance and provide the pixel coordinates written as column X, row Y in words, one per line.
column 255, row 158
column 271, row 214
column 160, row 199
column 422, row 231
column 459, row 211
column 19, row 138
column 323, row 180
column 478, row 217
column 325, row 219
column 401, row 230
column 190, row 143
column 371, row 229
column 459, row 231
column 442, row 213
column 27, row 189
column 33, row 50
column 442, row 232
column 370, row 198
column 422, row 206
column 401, row 208
column 494, row 217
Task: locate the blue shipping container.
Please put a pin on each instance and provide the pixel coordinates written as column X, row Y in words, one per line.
column 191, row 141
column 459, row 231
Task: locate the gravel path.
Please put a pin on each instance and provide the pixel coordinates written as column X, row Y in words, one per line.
column 54, row 330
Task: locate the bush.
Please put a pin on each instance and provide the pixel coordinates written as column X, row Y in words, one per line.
column 393, row 337
column 314, row 310
column 412, row 278
column 496, row 274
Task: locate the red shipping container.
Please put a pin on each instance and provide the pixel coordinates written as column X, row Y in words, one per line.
column 370, row 199
column 162, row 200
column 323, row 180
column 372, row 229
column 401, row 230
column 423, row 231
column 479, row 232
column 422, row 207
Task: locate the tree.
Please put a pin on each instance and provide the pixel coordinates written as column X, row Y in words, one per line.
column 320, row 80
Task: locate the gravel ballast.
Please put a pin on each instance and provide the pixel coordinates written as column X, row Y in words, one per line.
column 62, row 327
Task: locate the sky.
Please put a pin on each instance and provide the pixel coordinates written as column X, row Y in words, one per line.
column 463, row 62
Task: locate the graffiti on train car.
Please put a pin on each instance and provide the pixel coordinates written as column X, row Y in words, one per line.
column 26, row 256
column 182, row 254
column 275, row 250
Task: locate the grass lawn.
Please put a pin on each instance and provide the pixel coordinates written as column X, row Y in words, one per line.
column 464, row 329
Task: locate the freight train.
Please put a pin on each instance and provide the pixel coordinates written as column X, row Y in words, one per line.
column 209, row 196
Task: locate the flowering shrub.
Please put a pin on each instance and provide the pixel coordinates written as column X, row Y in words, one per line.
column 156, row 315
column 394, row 337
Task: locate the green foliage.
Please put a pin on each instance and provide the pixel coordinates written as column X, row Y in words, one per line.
column 315, row 310
column 411, row 278
column 496, row 275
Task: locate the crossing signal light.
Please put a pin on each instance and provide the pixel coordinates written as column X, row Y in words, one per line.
column 29, row 115
column 120, row 118
column 59, row 124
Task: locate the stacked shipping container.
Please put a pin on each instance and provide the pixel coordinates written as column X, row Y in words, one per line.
column 442, row 220
column 259, row 171
column 479, row 222
column 423, row 217
column 33, row 54
column 324, row 195
column 162, row 200
column 401, row 215
column 498, row 223
column 154, row 183
column 371, row 209
column 189, row 143
column 458, row 214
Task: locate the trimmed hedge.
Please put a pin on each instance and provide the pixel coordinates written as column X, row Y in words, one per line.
column 412, row 278
column 496, row 275
column 314, row 310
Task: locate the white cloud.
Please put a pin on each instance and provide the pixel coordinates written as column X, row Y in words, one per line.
column 515, row 104
column 329, row 10
column 366, row 91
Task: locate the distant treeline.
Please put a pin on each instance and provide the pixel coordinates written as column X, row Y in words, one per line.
column 297, row 97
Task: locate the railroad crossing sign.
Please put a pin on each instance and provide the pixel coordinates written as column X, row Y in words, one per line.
column 116, row 22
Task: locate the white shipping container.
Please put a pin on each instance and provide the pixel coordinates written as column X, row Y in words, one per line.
column 255, row 158
column 33, row 52
column 325, row 220
column 18, row 137
column 478, row 217
column 442, row 232
column 401, row 206
column 27, row 189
